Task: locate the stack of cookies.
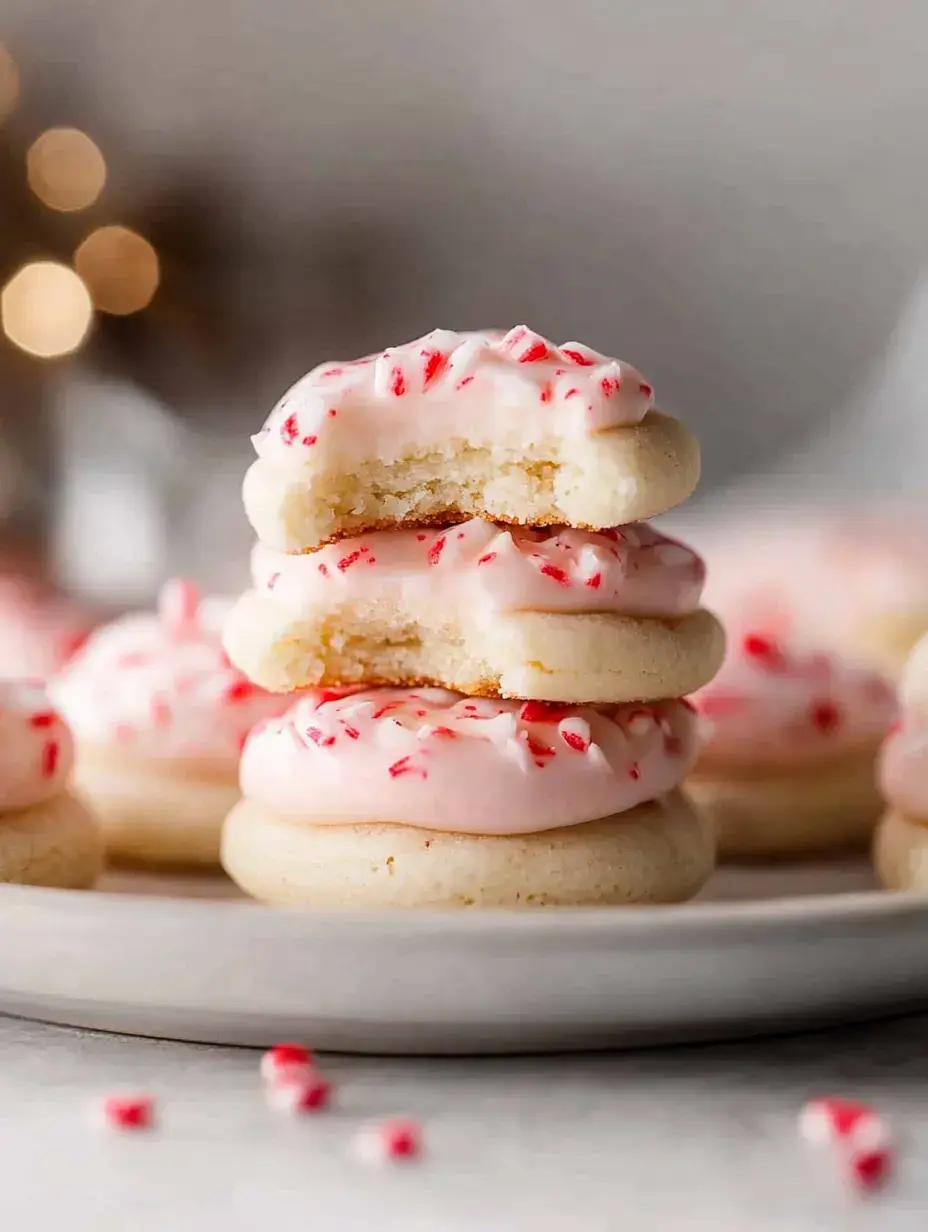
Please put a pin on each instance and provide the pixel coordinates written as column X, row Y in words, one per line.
column 490, row 643
column 901, row 845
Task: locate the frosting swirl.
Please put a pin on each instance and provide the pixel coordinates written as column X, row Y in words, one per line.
column 485, row 386
column 160, row 685
column 436, row 759
column 771, row 704
column 36, row 747
column 633, row 570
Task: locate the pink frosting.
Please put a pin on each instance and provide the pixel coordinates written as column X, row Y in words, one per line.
column 800, row 572
column 36, row 748
column 431, row 758
column 481, row 387
column 39, row 631
column 903, row 766
column 633, row 570
column 160, row 685
column 771, row 705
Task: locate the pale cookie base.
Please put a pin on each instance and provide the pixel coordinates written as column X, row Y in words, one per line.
column 151, row 813
column 660, row 852
column 547, row 656
column 782, row 816
column 913, row 689
column 887, row 640
column 900, row 852
column 56, row 843
column 623, row 475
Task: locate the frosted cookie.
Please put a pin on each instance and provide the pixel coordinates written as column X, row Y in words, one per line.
column 160, row 717
column 900, row 848
column 398, row 797
column 556, row 614
column 507, row 427
column 39, row 632
column 790, row 740
column 47, row 837
column 860, row 574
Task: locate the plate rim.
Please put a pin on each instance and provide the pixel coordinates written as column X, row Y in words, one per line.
column 654, row 921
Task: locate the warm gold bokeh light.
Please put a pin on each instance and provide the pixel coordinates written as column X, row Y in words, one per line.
column 66, row 170
column 120, row 268
column 45, row 309
column 9, row 83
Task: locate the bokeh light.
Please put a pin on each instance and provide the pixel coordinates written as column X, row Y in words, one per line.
column 45, row 309
column 120, row 268
column 9, row 83
column 65, row 168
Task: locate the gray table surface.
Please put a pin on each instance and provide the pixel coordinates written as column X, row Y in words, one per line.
column 684, row 1138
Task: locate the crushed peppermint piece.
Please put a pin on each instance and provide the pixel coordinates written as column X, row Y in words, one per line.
column 299, row 1092
column 283, row 1057
column 393, row 1140
column 130, row 1112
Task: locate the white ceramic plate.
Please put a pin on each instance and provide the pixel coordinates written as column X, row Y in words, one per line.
column 762, row 950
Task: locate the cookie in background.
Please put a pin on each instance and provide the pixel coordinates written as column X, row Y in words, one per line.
column 900, row 849
column 853, row 580
column 160, row 718
column 790, row 738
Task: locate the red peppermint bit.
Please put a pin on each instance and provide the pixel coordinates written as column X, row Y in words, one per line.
column 128, row 1111
column 485, row 560
column 240, row 691
column 317, row 736
column 385, row 709
column 575, row 741
column 298, row 1093
column 535, row 353
column 273, row 580
column 391, row 1140
column 372, row 560
column 290, row 429
column 310, row 440
column 585, row 361
column 825, row 717
column 332, row 412
column 871, row 1169
column 546, row 393
column 537, row 749
column 421, row 537
column 160, row 712
column 445, row 732
column 44, row 718
column 330, row 695
column 645, row 389
column 544, row 712
column 464, row 381
column 433, row 366
column 352, row 732
column 764, row 649
column 830, row 1120
column 284, row 1057
column 609, row 385
column 330, row 372
column 404, row 766
column 634, row 771
column 436, row 550
column 470, row 706
column 324, row 569
column 50, row 756
column 351, row 559
column 595, row 581
column 555, row 572
column 397, row 382
column 572, row 393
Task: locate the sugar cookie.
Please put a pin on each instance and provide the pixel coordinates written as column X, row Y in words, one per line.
column 559, row 614
column 787, row 766
column 160, row 717
column 506, row 427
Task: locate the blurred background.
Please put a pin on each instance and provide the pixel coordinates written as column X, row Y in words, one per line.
column 199, row 201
